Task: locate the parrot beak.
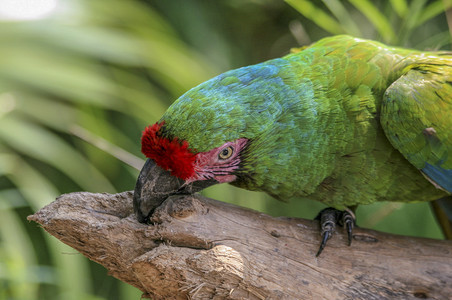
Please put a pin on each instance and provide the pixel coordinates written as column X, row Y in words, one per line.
column 155, row 184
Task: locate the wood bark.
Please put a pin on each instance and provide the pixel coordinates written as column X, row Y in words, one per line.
column 199, row 248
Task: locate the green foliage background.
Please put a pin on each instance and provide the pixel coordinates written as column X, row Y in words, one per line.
column 95, row 73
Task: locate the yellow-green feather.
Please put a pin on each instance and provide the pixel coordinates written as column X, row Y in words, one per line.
column 417, row 117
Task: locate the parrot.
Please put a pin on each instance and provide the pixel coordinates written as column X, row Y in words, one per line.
column 345, row 121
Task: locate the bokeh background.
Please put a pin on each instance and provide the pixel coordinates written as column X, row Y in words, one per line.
column 80, row 79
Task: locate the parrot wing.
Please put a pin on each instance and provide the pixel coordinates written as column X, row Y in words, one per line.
column 417, row 119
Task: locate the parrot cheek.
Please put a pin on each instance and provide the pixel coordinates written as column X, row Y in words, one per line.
column 225, row 178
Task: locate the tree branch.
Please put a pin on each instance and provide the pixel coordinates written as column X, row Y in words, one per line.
column 200, row 248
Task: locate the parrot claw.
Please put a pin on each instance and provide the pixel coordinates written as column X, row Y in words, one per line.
column 329, row 217
column 348, row 221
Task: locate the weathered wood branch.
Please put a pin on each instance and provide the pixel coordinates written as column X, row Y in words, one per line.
column 199, row 248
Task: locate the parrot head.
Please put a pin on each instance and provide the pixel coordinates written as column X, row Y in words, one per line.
column 175, row 168
column 187, row 164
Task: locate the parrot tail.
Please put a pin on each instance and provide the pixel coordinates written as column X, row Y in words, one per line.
column 442, row 209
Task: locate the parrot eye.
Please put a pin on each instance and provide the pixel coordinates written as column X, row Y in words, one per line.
column 226, row 153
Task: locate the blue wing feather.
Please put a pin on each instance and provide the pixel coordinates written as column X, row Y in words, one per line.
column 439, row 175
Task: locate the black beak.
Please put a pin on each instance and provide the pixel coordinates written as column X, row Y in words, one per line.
column 155, row 184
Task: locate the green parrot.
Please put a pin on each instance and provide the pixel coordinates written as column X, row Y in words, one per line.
column 344, row 121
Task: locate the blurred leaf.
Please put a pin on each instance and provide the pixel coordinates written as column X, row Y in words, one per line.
column 144, row 102
column 435, row 41
column 316, row 15
column 30, row 183
column 18, row 256
column 414, row 219
column 340, row 12
column 104, row 145
column 38, row 110
column 69, row 271
column 432, row 10
column 80, row 83
column 400, row 7
column 415, row 10
column 380, row 22
column 43, row 145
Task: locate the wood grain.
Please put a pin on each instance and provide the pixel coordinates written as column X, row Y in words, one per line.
column 199, row 248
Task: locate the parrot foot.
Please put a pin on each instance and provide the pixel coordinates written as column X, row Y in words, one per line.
column 329, row 217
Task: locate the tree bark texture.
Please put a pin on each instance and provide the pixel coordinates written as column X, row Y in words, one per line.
column 199, row 248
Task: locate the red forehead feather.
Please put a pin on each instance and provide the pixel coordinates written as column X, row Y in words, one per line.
column 173, row 155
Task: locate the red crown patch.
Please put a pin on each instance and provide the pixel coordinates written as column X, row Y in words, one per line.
column 172, row 155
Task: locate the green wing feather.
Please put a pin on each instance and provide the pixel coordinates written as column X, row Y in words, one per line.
column 417, row 117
